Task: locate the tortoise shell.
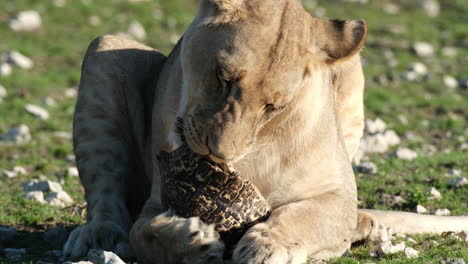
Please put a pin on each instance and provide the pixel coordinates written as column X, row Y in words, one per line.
column 193, row 186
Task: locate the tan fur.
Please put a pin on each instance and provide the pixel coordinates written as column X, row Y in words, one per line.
column 260, row 86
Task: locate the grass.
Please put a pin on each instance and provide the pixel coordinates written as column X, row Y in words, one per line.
column 435, row 115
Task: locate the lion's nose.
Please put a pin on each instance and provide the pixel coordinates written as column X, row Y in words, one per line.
column 220, row 153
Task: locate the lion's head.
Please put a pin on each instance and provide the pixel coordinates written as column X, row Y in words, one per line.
column 244, row 65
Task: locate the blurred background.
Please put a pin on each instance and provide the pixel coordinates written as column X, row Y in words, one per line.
column 413, row 156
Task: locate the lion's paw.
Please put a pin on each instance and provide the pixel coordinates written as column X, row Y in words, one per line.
column 94, row 235
column 261, row 244
column 177, row 240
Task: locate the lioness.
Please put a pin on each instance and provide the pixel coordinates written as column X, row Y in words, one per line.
column 259, row 85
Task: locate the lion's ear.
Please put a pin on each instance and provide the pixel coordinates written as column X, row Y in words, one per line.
column 336, row 39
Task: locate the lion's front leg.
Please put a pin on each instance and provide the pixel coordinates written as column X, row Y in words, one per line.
column 321, row 228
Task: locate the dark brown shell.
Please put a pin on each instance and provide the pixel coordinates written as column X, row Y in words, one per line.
column 192, row 186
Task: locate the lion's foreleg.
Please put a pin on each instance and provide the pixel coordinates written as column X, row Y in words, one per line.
column 320, row 227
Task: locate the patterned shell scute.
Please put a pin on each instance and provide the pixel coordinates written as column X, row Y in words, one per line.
column 192, row 186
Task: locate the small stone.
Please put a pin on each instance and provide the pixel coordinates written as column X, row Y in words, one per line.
column 10, row 174
column 410, row 76
column 7, row 233
column 37, row 111
column 3, row 93
column 450, row 82
column 14, row 254
column 43, row 186
column 70, row 158
column 5, row 69
column 392, row 137
column 406, row 154
column 18, row 59
column 137, row 31
column 391, row 9
column 60, row 3
column 420, row 209
column 458, row 182
column 56, row 236
column 36, row 196
column 28, row 20
column 72, row 172
column 94, row 21
column 386, row 248
column 453, row 172
column 431, row 7
column 442, row 212
column 452, row 261
column 367, row 167
column 434, row 194
column 59, row 199
column 70, row 93
column 375, row 126
column 103, row 257
column 403, row 119
column 79, row 262
column 18, row 134
column 63, row 135
column 449, row 51
column 400, row 235
column 423, row 49
column 418, row 67
column 411, row 253
column 174, row 38
column 17, row 170
column 411, row 240
column 49, row 101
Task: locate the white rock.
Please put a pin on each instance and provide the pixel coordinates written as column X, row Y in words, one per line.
column 29, row 20
column 453, row 172
column 410, row 76
column 43, row 186
column 73, row 172
column 418, row 67
column 94, row 20
column 458, row 182
column 400, row 235
column 434, row 194
column 7, row 233
column 17, row 170
column 63, row 134
column 450, row 82
column 18, row 59
column 60, row 3
column 5, row 69
column 442, row 212
column 174, row 38
column 453, row 261
column 367, row 167
column 392, row 137
column 37, row 111
column 391, row 8
column 406, row 154
column 411, row 240
column 70, row 93
column 137, row 31
column 375, row 126
column 3, row 92
column 103, row 257
column 59, row 199
column 431, row 7
column 79, row 262
column 36, row 196
column 411, row 253
column 423, row 49
column 420, row 209
column 20, row 170
column 449, row 51
column 386, row 248
column 18, row 134
column 49, row 101
column 9, row 173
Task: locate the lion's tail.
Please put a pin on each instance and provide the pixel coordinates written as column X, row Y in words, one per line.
column 412, row 223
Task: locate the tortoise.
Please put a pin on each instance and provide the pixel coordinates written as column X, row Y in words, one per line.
column 194, row 186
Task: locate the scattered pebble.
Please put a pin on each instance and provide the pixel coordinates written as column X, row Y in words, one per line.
column 17, row 59
column 375, row 126
column 63, row 134
column 453, row 172
column 452, row 261
column 37, row 111
column 418, row 67
column 386, row 248
column 391, row 8
column 3, row 93
column 449, row 51
column 431, row 7
column 28, row 20
column 423, row 49
column 17, row 135
column 59, row 199
column 5, row 69
column 137, row 31
column 17, row 170
column 391, row 137
column 450, row 82
column 458, row 182
column 72, row 172
column 60, row 3
column 366, row 167
column 406, row 154
column 56, row 236
column 463, row 235
column 14, row 254
column 411, row 253
column 434, row 194
column 36, row 196
column 49, row 101
column 94, row 20
column 174, row 38
column 70, row 93
column 411, row 240
column 442, row 212
column 43, row 186
column 7, row 233
column 420, row 209
column 103, row 257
